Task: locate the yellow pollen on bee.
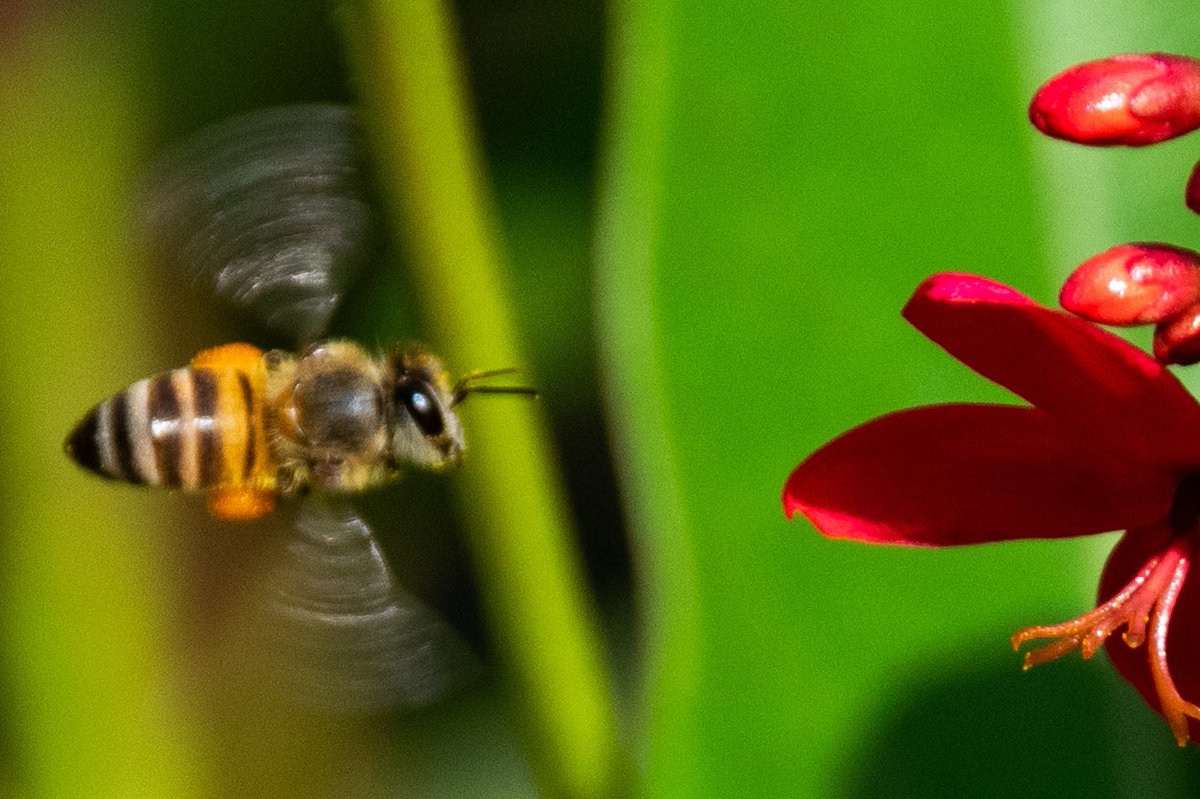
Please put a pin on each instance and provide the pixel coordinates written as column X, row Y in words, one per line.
column 240, row 504
column 239, row 356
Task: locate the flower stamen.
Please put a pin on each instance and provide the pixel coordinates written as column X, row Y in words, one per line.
column 1094, row 626
column 1146, row 600
column 1175, row 709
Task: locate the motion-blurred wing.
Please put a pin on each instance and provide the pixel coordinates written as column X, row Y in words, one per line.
column 270, row 211
column 347, row 639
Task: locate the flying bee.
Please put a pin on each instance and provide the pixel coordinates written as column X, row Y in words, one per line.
column 272, row 213
column 247, row 426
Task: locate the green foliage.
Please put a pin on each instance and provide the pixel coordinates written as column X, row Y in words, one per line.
column 85, row 609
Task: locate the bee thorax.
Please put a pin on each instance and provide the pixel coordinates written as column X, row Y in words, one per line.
column 340, row 410
column 330, row 418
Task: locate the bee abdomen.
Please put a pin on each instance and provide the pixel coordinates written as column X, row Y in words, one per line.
column 190, row 428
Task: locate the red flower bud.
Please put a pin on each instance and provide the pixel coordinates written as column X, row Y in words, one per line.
column 1125, row 99
column 1133, row 284
column 1178, row 340
column 1191, row 195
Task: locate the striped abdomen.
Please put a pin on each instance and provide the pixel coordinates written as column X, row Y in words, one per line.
column 193, row 428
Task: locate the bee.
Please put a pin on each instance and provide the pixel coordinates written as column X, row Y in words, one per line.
column 272, row 212
column 247, row 426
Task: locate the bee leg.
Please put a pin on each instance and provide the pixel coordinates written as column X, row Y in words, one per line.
column 240, row 504
column 242, row 357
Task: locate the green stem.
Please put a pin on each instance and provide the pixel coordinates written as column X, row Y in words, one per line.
column 405, row 58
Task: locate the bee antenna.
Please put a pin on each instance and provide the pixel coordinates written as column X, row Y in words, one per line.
column 467, row 385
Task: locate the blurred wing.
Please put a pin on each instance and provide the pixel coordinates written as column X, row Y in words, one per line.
column 268, row 210
column 346, row 638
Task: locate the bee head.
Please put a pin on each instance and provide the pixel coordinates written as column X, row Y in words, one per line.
column 426, row 429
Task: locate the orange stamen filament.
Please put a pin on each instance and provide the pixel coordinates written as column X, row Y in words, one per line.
column 1175, row 709
column 1148, row 599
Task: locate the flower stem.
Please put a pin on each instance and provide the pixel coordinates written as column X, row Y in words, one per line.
column 404, row 56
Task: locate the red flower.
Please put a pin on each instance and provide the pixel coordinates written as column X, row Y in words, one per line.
column 1125, row 99
column 1111, row 441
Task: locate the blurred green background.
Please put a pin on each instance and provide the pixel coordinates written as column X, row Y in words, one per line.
column 711, row 214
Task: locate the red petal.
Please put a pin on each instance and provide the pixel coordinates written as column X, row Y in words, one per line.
column 1183, row 639
column 1115, row 395
column 964, row 474
column 1126, row 99
column 1133, row 284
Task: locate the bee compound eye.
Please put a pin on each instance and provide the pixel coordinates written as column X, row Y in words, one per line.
column 422, row 407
